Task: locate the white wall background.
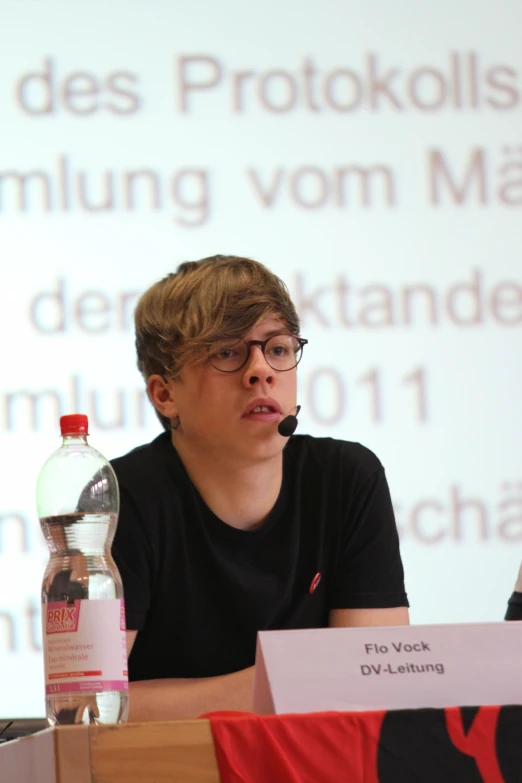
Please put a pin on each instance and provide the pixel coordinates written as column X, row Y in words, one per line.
column 369, row 153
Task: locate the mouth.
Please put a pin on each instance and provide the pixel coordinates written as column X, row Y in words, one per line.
column 264, row 410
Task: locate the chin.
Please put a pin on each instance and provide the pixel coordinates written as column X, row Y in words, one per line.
column 263, row 448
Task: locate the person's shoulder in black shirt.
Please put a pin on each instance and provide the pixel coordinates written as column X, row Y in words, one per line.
column 514, row 607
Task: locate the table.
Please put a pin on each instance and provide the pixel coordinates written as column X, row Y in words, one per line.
column 468, row 745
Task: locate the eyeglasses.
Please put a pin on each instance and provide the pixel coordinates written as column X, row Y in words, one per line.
column 282, row 352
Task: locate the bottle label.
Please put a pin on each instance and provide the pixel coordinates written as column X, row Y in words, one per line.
column 85, row 646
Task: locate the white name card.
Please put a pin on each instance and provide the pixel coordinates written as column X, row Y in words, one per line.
column 390, row 667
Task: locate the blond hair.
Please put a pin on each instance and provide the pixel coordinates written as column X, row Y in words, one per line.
column 215, row 300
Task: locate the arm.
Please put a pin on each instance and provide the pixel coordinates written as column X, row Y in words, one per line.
column 188, row 698
column 368, row 588
column 355, row 618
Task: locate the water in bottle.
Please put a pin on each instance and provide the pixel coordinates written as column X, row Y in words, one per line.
column 83, row 616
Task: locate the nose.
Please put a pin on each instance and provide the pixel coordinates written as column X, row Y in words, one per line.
column 257, row 369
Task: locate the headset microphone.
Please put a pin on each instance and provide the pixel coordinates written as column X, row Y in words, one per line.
column 287, row 426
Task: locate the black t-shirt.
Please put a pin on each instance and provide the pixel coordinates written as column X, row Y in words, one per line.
column 199, row 590
column 514, row 608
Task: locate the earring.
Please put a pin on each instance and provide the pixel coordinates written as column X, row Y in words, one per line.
column 175, row 425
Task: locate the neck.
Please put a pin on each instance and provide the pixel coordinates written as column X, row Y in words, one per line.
column 242, row 495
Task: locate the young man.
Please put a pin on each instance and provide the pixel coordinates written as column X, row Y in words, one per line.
column 226, row 526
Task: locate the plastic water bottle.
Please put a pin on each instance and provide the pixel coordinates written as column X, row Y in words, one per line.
column 83, row 615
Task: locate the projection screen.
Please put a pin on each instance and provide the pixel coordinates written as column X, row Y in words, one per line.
column 369, row 153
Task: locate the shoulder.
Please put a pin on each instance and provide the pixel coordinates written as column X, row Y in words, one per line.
column 151, row 479
column 514, row 610
column 327, row 454
column 514, row 607
column 146, row 463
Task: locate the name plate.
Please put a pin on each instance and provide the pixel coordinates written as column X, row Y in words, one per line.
column 392, row 667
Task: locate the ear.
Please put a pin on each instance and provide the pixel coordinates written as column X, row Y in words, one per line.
column 161, row 394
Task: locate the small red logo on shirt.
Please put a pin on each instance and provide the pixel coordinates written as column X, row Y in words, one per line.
column 315, row 581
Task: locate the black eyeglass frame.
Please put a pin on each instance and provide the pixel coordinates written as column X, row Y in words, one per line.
column 262, row 344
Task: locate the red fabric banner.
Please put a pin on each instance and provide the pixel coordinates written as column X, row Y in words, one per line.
column 479, row 742
column 297, row 748
column 468, row 745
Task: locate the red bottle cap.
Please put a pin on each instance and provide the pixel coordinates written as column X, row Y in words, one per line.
column 75, row 424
